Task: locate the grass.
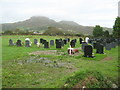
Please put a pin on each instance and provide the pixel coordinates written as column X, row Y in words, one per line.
column 36, row 75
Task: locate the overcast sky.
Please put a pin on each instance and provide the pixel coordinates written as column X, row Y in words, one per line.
column 84, row 12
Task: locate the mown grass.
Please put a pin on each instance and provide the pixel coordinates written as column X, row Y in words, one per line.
column 36, row 75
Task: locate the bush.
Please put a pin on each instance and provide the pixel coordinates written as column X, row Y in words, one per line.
column 8, row 32
column 89, row 79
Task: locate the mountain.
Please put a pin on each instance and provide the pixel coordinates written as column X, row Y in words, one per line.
column 40, row 23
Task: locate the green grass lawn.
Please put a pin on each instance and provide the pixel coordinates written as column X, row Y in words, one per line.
column 36, row 75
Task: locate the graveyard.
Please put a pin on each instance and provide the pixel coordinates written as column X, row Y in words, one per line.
column 38, row 61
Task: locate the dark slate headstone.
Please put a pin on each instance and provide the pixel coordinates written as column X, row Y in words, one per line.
column 58, row 44
column 44, row 41
column 62, row 43
column 68, row 39
column 100, row 49
column 35, row 41
column 88, row 51
column 65, row 41
column 27, row 43
column 56, row 40
column 72, row 43
column 83, row 45
column 95, row 45
column 11, row 42
column 80, row 40
column 75, row 40
column 18, row 43
column 46, row 44
column 52, row 42
column 41, row 40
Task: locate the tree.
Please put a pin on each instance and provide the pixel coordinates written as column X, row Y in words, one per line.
column 8, row 32
column 17, row 30
column 53, row 31
column 106, row 33
column 97, row 31
column 116, row 28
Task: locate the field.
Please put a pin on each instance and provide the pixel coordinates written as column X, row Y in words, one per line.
column 19, row 72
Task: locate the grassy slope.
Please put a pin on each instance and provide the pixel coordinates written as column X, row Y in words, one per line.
column 37, row 75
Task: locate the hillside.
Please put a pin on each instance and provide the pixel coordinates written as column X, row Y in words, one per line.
column 40, row 23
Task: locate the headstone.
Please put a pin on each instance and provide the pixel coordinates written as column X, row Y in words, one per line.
column 95, row 45
column 65, row 41
column 83, row 45
column 18, row 43
column 35, row 41
column 62, row 43
column 86, row 39
column 46, row 44
column 27, row 39
column 100, row 49
column 27, row 43
column 88, row 51
column 80, row 40
column 52, row 42
column 72, row 43
column 44, row 41
column 68, row 39
column 58, row 44
column 11, row 42
column 41, row 40
column 56, row 40
column 75, row 40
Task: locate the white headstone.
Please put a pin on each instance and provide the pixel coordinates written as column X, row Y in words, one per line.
column 27, row 39
column 86, row 39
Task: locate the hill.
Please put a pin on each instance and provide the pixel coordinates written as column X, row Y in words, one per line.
column 41, row 23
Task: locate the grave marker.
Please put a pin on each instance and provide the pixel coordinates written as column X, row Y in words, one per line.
column 88, row 51
column 35, row 41
column 52, row 42
column 18, row 43
column 11, row 42
column 100, row 49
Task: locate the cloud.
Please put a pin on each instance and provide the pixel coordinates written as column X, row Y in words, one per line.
column 84, row 12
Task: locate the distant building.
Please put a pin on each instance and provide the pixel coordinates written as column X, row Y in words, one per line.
column 119, row 9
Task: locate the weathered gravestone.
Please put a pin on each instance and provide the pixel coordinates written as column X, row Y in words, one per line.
column 35, row 41
column 100, row 49
column 52, row 42
column 80, row 40
column 58, row 44
column 18, row 43
column 88, row 51
column 27, row 43
column 72, row 43
column 83, row 45
column 11, row 42
column 46, row 44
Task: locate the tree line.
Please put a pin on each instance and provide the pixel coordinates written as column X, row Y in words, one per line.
column 52, row 31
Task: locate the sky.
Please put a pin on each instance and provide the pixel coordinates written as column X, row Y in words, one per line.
column 83, row 12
